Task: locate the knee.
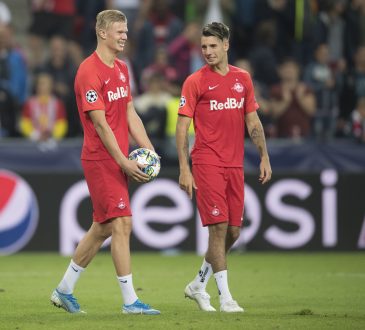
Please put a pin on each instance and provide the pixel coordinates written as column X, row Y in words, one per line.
column 122, row 226
column 102, row 231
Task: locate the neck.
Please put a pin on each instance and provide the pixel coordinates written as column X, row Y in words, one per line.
column 106, row 56
column 221, row 68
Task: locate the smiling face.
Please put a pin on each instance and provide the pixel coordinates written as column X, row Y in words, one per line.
column 214, row 50
column 116, row 36
column 111, row 31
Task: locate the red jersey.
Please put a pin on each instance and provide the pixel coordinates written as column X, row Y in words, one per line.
column 44, row 115
column 99, row 87
column 218, row 105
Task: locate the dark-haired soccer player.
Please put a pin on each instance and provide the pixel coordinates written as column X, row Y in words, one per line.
column 107, row 115
column 220, row 98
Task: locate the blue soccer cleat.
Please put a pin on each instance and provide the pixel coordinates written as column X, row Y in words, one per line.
column 138, row 307
column 66, row 301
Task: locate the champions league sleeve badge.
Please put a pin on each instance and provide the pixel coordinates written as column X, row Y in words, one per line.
column 182, row 102
column 91, row 96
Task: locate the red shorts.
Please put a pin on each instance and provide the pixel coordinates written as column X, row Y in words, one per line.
column 108, row 187
column 220, row 194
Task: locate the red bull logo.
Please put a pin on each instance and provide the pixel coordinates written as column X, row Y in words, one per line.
column 18, row 212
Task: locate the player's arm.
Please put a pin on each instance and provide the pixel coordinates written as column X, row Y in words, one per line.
column 257, row 135
column 136, row 128
column 107, row 137
column 186, row 180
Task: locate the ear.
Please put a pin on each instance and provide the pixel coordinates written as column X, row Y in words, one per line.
column 102, row 34
column 225, row 45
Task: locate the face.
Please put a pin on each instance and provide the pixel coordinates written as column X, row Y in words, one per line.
column 116, row 36
column 44, row 84
column 289, row 71
column 322, row 54
column 214, row 50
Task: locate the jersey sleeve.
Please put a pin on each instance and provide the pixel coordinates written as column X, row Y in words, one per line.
column 88, row 86
column 251, row 103
column 189, row 97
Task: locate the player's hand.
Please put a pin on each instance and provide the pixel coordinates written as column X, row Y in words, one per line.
column 187, row 183
column 134, row 170
column 265, row 170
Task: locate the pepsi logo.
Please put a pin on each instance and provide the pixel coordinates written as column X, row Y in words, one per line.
column 18, row 212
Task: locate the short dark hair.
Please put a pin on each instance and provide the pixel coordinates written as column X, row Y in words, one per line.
column 215, row 29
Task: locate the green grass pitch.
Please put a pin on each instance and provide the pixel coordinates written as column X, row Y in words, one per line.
column 277, row 290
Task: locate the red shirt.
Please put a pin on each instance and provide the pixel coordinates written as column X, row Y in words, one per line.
column 218, row 105
column 44, row 115
column 99, row 87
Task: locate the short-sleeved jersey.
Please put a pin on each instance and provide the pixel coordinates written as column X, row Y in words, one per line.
column 100, row 87
column 218, row 105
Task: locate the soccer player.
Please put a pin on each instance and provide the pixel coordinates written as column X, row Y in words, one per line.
column 220, row 98
column 107, row 115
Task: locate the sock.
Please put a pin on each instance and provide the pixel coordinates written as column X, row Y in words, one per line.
column 126, row 286
column 222, row 284
column 70, row 278
column 201, row 280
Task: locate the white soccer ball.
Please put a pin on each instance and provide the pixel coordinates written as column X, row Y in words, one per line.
column 149, row 158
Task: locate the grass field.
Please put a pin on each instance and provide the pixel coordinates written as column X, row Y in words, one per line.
column 278, row 291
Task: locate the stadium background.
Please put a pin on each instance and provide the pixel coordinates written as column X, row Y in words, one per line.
column 299, row 263
column 328, row 214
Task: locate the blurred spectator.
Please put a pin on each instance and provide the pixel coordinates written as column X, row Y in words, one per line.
column 358, row 120
column 185, row 51
column 160, row 28
column 85, row 20
column 319, row 76
column 13, row 75
column 151, row 107
column 49, row 18
column 242, row 27
column 352, row 88
column 218, row 11
column 44, row 115
column 162, row 67
column 5, row 14
column 262, row 56
column 8, row 112
column 293, row 103
column 62, row 69
column 355, row 28
column 281, row 14
column 330, row 29
column 305, row 13
column 129, row 7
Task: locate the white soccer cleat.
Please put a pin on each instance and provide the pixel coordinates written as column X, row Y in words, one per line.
column 202, row 298
column 231, row 306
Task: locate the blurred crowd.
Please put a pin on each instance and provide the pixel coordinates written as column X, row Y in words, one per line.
column 306, row 57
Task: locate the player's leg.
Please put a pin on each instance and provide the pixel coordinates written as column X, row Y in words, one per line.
column 210, row 182
column 235, row 197
column 62, row 296
column 233, row 233
column 120, row 249
column 216, row 255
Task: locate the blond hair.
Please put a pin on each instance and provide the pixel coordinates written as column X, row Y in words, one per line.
column 107, row 17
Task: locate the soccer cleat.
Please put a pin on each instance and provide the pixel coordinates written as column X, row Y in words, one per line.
column 231, row 306
column 202, row 298
column 138, row 307
column 66, row 301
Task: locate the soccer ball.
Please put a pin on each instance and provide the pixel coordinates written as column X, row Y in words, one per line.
column 147, row 157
